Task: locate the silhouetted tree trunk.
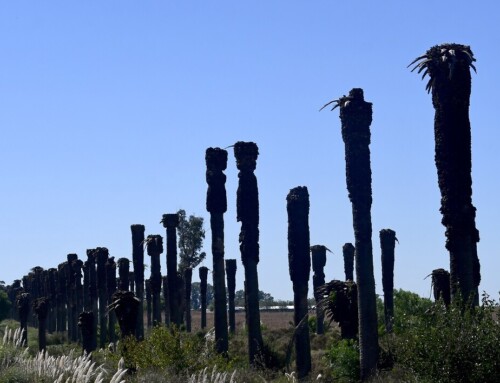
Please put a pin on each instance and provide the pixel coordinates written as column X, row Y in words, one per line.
column 131, row 281
column 387, row 245
column 188, row 275
column 203, row 295
column 441, row 285
column 123, row 270
column 299, row 263
column 448, row 66
column 23, row 307
column 41, row 308
column 91, row 264
column 111, row 289
column 148, row 303
column 318, row 256
column 102, row 257
column 62, row 313
column 154, row 249
column 216, row 161
column 170, row 222
column 86, row 323
column 166, row 300
column 12, row 292
column 78, row 308
column 247, row 197
column 52, row 288
column 356, row 117
column 348, row 253
column 71, row 298
column 125, row 305
column 231, row 289
column 138, row 261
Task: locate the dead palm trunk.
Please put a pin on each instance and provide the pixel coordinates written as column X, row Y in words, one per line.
column 41, row 308
column 71, row 294
column 101, row 257
column 216, row 161
column 247, row 197
column 231, row 289
column 62, row 312
column 299, row 263
column 387, row 244
column 91, row 265
column 441, row 285
column 23, row 307
column 356, row 117
column 148, row 303
column 318, row 256
column 348, row 254
column 52, row 288
column 111, row 288
column 77, row 270
column 131, row 281
column 448, row 66
column 154, row 245
column 123, row 270
column 138, row 261
column 166, row 300
column 170, row 222
column 188, row 275
column 125, row 306
column 86, row 323
column 203, row 295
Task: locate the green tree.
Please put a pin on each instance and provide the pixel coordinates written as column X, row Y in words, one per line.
column 191, row 235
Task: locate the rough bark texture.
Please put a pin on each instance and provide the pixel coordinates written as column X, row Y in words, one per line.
column 299, row 263
column 356, row 117
column 318, row 257
column 101, row 258
column 441, row 285
column 247, row 201
column 188, row 275
column 170, row 222
column 138, row 261
column 231, row 290
column 348, row 254
column 154, row 249
column 450, row 81
column 203, row 295
column 387, row 245
column 216, row 161
column 123, row 270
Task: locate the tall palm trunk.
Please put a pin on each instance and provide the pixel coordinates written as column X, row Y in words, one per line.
column 203, row 271
column 166, row 300
column 71, row 293
column 77, row 270
column 41, row 308
column 170, row 222
column 348, row 254
column 448, row 66
column 299, row 263
column 154, row 249
column 101, row 257
column 387, row 244
column 23, row 307
column 93, row 296
column 62, row 312
column 138, row 261
column 111, row 288
column 356, row 117
column 231, row 290
column 123, row 270
column 247, row 200
column 216, row 161
column 441, row 285
column 86, row 323
column 148, row 303
column 318, row 256
column 188, row 275
column 52, row 280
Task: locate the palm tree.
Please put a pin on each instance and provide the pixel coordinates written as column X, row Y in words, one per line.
column 62, row 313
column 448, row 67
column 41, row 308
column 299, row 263
column 247, row 201
column 166, row 299
column 154, row 245
column 441, row 285
column 231, row 289
column 101, row 254
column 123, row 270
column 170, row 222
column 348, row 254
column 138, row 261
column 188, row 275
column 148, row 303
column 356, row 117
column 216, row 161
column 318, row 257
column 23, row 307
column 86, row 323
column 111, row 288
column 91, row 265
column 388, row 243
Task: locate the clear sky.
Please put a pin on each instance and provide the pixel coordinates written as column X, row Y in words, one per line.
column 107, row 107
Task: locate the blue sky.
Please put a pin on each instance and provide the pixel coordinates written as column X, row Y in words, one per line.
column 107, row 109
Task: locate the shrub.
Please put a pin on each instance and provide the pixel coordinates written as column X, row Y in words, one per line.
column 344, row 360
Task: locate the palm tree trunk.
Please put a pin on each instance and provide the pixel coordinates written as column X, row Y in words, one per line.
column 216, row 161
column 138, row 261
column 441, row 285
column 203, row 295
column 111, row 288
column 41, row 308
column 318, row 256
column 247, row 197
column 148, row 303
column 154, row 249
column 170, row 222
column 356, row 117
column 231, row 289
column 448, row 66
column 123, row 270
column 91, row 265
column 61, row 297
column 188, row 275
column 102, row 257
column 348, row 254
column 299, row 263
column 166, row 299
column 387, row 245
column 23, row 306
